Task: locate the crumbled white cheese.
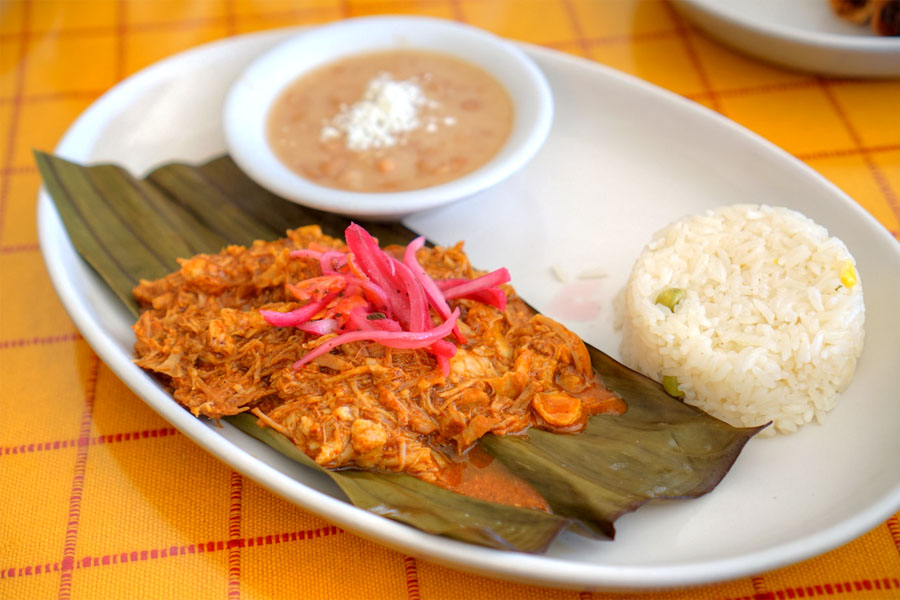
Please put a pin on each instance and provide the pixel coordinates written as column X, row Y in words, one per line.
column 387, row 110
column 329, row 132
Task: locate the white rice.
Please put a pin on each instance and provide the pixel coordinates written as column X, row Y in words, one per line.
column 766, row 330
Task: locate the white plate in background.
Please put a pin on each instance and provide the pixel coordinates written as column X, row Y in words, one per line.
column 799, row 34
column 623, row 159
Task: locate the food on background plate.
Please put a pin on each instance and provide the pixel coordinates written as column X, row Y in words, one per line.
column 855, row 11
column 886, row 17
column 883, row 16
column 390, row 121
column 751, row 313
column 396, row 359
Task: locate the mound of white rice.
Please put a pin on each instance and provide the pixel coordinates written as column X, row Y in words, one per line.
column 770, row 323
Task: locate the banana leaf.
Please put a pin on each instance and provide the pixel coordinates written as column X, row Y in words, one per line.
column 426, row 506
column 128, row 228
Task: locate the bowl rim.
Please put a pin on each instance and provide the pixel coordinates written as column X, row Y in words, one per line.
column 245, row 128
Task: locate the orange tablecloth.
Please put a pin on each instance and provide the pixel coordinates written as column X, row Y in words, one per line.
column 101, row 498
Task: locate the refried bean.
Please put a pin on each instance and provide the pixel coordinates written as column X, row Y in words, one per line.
column 434, row 118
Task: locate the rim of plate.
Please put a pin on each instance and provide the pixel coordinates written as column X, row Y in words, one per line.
column 536, row 569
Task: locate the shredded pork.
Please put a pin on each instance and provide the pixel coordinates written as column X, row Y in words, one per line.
column 363, row 404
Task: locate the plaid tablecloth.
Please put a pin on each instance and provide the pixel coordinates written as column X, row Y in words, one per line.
column 101, row 498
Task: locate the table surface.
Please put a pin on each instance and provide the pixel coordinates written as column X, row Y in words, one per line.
column 101, row 498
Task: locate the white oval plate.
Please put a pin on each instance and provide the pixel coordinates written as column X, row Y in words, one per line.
column 800, row 34
column 623, row 159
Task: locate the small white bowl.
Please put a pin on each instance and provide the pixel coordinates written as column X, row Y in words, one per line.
column 252, row 94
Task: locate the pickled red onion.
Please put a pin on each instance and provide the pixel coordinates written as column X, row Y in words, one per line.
column 406, row 340
column 319, row 326
column 374, row 283
column 432, row 292
column 298, row 316
column 465, row 287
